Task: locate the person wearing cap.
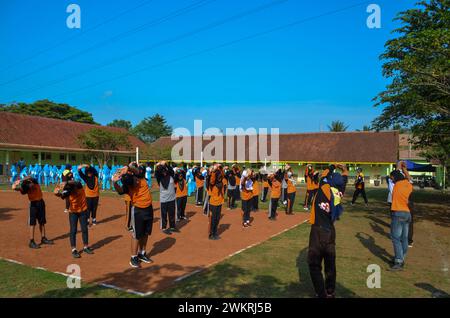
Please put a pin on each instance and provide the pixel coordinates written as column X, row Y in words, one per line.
column 400, row 214
column 325, row 210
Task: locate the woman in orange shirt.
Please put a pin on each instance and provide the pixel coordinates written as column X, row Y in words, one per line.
column 216, row 190
column 246, row 188
column 256, row 191
column 181, row 193
column 291, row 190
column 90, row 177
column 73, row 190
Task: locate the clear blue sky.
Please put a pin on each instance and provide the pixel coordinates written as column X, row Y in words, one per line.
column 298, row 79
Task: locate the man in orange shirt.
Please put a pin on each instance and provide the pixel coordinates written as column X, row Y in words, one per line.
column 246, row 188
column 73, row 190
column 274, row 181
column 400, row 214
column 216, row 190
column 133, row 183
column 291, row 190
column 310, row 187
column 30, row 186
column 90, row 177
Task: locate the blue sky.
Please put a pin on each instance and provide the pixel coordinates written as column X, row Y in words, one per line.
column 297, row 79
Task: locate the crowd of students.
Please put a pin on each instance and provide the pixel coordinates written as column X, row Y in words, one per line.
column 215, row 186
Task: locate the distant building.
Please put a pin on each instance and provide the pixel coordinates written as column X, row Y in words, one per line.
column 375, row 152
column 45, row 140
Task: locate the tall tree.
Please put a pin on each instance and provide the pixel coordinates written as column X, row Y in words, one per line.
column 102, row 142
column 120, row 123
column 151, row 128
column 337, row 126
column 417, row 63
column 47, row 108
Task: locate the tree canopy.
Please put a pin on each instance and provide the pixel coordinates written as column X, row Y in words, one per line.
column 417, row 63
column 337, row 126
column 120, row 123
column 151, row 128
column 103, row 139
column 47, row 108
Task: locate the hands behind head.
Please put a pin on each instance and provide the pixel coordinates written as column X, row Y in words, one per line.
column 119, row 173
column 15, row 185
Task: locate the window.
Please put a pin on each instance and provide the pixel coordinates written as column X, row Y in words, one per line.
column 62, row 156
column 73, row 158
column 35, row 156
column 47, row 156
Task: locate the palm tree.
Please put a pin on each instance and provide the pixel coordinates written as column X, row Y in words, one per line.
column 337, row 126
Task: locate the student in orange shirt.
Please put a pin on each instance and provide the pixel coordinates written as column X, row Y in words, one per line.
column 90, row 177
column 30, row 186
column 400, row 214
column 291, row 190
column 217, row 193
column 310, row 187
column 78, row 212
column 135, row 185
column 256, row 191
column 181, row 193
column 359, row 187
column 265, row 185
column 275, row 193
column 199, row 182
column 246, row 189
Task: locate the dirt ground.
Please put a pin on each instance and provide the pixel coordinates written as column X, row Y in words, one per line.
column 175, row 256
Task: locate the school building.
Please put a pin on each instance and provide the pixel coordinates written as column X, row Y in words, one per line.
column 45, row 140
column 375, row 152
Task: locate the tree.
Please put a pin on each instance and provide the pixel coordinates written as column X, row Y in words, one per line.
column 151, row 128
column 156, row 153
column 337, row 126
column 417, row 63
column 120, row 123
column 102, row 142
column 47, row 108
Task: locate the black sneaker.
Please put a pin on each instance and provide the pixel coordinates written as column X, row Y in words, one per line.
column 130, row 229
column 88, row 250
column 45, row 240
column 174, row 229
column 144, row 258
column 76, row 254
column 216, row 237
column 94, row 221
column 396, row 267
column 33, row 245
column 166, row 231
column 135, row 262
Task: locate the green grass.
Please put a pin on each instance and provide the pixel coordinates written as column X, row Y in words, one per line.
column 278, row 267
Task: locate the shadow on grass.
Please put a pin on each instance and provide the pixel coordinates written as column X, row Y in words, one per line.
column 368, row 242
column 435, row 293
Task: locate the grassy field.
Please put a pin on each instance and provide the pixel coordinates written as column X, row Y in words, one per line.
column 278, row 268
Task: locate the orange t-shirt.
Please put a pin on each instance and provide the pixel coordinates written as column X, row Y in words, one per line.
column 246, row 194
column 400, row 196
column 276, row 189
column 181, row 192
column 94, row 192
column 77, row 199
column 216, row 194
column 256, row 190
column 34, row 192
column 265, row 184
column 290, row 187
column 140, row 194
column 199, row 182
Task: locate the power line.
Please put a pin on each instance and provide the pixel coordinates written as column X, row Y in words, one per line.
column 165, row 42
column 84, row 31
column 225, row 44
column 117, row 37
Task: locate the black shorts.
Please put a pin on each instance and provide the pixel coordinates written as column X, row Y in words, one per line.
column 37, row 212
column 141, row 221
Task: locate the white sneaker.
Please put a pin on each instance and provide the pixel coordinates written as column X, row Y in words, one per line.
column 66, row 210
